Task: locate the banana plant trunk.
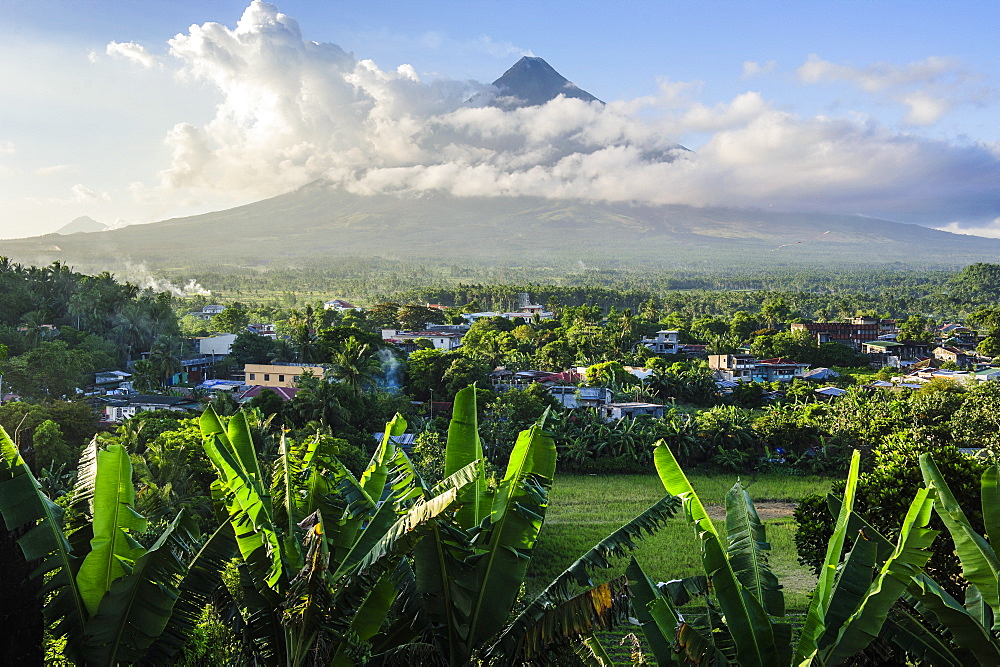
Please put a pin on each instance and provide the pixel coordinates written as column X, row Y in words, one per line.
column 20, row 606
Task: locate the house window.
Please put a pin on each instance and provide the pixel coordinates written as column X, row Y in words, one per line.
column 281, row 378
column 295, row 378
column 253, row 376
column 267, row 377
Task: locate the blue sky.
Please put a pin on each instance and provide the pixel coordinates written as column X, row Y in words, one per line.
column 875, row 108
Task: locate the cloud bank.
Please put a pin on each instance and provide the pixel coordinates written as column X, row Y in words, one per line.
column 292, row 111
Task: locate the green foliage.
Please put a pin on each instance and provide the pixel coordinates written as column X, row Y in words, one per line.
column 252, row 348
column 75, row 419
column 976, row 423
column 977, row 283
column 50, row 446
column 268, row 402
column 917, row 328
column 234, row 319
column 609, row 374
column 50, row 370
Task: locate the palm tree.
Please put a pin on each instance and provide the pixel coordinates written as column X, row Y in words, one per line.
column 144, row 377
column 164, row 362
column 355, row 365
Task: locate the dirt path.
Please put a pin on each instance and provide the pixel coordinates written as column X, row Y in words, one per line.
column 765, row 510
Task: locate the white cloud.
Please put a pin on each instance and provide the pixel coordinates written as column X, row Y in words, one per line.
column 928, row 88
column 883, row 76
column 130, row 51
column 51, row 170
column 7, row 148
column 753, row 68
column 81, row 193
column 991, row 230
column 291, row 111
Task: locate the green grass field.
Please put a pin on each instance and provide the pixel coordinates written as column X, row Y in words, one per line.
column 583, row 509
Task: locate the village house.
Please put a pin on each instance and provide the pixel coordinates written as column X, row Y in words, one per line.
column 778, row 370
column 208, row 312
column 339, row 305
column 442, row 340
column 853, row 334
column 216, row 345
column 953, row 354
column 615, row 411
column 527, row 314
column 284, row 393
column 894, row 353
column 266, row 330
column 665, row 342
column 733, row 367
column 747, row 368
column 278, row 375
column 581, row 397
column 117, row 410
column 111, row 379
column 957, row 335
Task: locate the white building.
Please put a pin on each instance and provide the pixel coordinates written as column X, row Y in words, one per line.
column 665, row 342
column 216, row 345
column 576, row 397
column 442, row 340
column 339, row 305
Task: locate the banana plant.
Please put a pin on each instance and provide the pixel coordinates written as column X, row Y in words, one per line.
column 965, row 631
column 109, row 596
column 456, row 603
column 744, row 622
column 318, row 548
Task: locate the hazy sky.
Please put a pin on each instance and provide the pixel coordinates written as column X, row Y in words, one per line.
column 137, row 111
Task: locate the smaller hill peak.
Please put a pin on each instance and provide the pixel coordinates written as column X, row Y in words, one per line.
column 82, row 224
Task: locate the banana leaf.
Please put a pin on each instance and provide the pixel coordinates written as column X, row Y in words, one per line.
column 308, row 607
column 815, row 624
column 22, row 502
column 980, row 565
column 659, row 623
column 962, row 624
column 618, row 544
column 86, row 476
column 201, row 584
column 247, row 503
column 758, row 641
column 990, row 487
column 853, row 581
column 923, row 644
column 676, row 483
column 906, row 562
column 464, row 447
column 572, row 621
column 136, row 609
column 112, row 550
column 374, row 477
column 354, row 583
column 515, row 521
column 592, row 653
column 952, row 620
column 748, row 548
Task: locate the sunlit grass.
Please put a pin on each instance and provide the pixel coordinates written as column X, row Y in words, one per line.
column 585, row 509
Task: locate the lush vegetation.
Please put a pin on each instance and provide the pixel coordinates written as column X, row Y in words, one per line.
column 285, row 531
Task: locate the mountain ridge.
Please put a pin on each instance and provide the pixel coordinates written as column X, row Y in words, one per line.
column 320, row 222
